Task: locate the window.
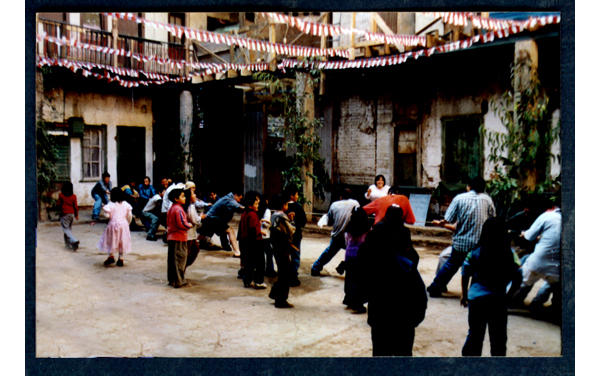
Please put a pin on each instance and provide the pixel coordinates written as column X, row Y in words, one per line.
column 179, row 20
column 93, row 140
column 92, row 20
column 462, row 149
column 62, row 142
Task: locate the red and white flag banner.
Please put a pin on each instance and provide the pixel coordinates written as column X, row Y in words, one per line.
column 401, row 58
column 493, row 24
column 319, row 29
column 252, row 44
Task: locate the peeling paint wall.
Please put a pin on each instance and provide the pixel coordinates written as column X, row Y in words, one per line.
column 107, row 110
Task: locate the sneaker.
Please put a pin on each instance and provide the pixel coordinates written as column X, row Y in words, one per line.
column 248, row 285
column 315, row 273
column 295, row 283
column 283, row 304
column 109, row 260
column 341, row 268
column 151, row 238
column 75, row 246
column 260, row 286
column 120, row 262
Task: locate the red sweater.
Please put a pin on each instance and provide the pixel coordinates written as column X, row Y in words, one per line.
column 249, row 227
column 68, row 205
column 177, row 224
column 380, row 206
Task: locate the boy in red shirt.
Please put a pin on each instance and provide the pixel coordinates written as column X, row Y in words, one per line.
column 177, row 230
column 67, row 202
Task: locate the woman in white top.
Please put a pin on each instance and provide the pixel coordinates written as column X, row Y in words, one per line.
column 377, row 190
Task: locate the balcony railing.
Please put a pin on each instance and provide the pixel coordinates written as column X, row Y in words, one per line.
column 140, row 46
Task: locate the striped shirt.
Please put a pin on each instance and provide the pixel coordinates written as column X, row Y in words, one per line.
column 469, row 211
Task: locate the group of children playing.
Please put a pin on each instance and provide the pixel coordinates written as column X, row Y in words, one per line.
column 380, row 263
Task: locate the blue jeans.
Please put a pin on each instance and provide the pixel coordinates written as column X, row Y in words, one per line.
column 154, row 222
column 448, row 270
column 486, row 311
column 337, row 242
column 98, row 205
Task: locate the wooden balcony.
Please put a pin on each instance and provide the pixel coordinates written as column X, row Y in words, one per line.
column 155, row 52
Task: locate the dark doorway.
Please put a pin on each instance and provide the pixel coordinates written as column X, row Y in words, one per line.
column 254, row 145
column 405, row 152
column 131, row 154
column 461, row 149
column 221, row 139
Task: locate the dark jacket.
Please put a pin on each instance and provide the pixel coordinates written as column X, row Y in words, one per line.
column 392, row 284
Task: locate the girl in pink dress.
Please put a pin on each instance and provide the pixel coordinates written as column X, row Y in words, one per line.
column 116, row 236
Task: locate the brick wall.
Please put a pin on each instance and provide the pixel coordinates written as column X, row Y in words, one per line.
column 357, row 141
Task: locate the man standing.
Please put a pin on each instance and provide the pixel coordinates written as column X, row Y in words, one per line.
column 468, row 211
column 100, row 194
column 339, row 216
column 218, row 217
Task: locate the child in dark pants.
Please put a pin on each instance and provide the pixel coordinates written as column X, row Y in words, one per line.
column 67, row 202
column 492, row 265
column 177, row 231
column 355, row 235
column 250, row 238
column 282, row 232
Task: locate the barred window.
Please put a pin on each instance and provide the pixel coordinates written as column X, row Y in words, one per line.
column 92, row 153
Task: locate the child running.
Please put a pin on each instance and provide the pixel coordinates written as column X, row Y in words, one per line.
column 67, row 202
column 355, row 235
column 492, row 265
column 177, row 232
column 250, row 237
column 282, row 231
column 116, row 236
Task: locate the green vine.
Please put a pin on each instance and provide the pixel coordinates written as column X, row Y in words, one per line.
column 47, row 156
column 300, row 134
column 522, row 154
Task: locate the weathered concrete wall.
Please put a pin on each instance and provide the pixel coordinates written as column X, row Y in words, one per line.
column 108, row 110
column 431, row 147
column 357, row 141
column 384, row 164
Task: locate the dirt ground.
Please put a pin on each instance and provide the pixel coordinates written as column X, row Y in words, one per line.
column 84, row 309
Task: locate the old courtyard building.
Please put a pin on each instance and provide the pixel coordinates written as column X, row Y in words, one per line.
column 400, row 94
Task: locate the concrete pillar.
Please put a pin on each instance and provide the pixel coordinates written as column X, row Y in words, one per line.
column 526, row 61
column 186, row 111
column 305, row 90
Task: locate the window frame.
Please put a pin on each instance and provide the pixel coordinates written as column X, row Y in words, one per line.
column 102, row 153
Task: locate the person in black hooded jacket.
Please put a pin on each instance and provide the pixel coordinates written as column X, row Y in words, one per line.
column 392, row 286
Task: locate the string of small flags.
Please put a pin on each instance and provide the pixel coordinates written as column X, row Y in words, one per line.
column 319, row 29
column 155, row 77
column 74, row 43
column 461, row 19
column 400, row 58
column 219, row 38
column 85, row 68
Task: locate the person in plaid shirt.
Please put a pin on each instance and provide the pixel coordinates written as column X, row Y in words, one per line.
column 468, row 212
